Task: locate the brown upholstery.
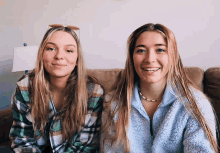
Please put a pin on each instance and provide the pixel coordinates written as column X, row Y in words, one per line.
column 209, row 81
column 195, row 74
column 105, row 77
column 212, row 86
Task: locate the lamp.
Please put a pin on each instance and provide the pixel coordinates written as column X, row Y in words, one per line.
column 24, row 58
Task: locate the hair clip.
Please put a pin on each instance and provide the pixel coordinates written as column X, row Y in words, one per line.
column 60, row 25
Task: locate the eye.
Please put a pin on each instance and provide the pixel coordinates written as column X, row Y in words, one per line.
column 160, row 50
column 69, row 51
column 50, row 48
column 140, row 50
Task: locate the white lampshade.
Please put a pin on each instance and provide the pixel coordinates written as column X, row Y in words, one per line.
column 24, row 58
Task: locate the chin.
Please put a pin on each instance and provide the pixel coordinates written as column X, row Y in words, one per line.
column 152, row 80
column 59, row 75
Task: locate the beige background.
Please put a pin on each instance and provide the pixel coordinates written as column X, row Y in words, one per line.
column 105, row 26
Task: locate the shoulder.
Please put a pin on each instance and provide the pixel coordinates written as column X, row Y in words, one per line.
column 202, row 101
column 110, row 105
column 109, row 101
column 95, row 90
column 95, row 96
column 23, row 82
column 20, row 98
column 205, row 107
column 94, row 87
column 108, row 96
column 22, row 88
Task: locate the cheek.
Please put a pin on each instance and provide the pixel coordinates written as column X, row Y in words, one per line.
column 166, row 64
column 46, row 57
column 136, row 64
column 72, row 59
column 137, row 61
column 47, row 60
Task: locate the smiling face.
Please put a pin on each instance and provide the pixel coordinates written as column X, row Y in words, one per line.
column 60, row 55
column 150, row 58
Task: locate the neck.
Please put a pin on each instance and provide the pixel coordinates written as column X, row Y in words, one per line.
column 57, row 84
column 154, row 91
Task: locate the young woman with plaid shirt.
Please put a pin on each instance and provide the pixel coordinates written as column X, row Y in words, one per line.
column 57, row 106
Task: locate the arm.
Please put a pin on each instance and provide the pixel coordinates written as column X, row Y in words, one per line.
column 87, row 140
column 21, row 133
column 195, row 139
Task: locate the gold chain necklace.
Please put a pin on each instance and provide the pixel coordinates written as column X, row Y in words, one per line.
column 150, row 100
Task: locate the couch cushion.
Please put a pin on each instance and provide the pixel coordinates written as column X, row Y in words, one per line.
column 212, row 86
column 196, row 75
column 106, row 77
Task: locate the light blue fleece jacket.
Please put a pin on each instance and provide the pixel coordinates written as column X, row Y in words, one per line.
column 174, row 129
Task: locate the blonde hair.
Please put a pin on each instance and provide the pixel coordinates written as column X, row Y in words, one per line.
column 123, row 89
column 75, row 101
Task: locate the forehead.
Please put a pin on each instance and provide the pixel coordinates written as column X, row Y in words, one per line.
column 62, row 38
column 151, row 38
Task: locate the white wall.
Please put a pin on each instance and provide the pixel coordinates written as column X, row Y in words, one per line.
column 105, row 26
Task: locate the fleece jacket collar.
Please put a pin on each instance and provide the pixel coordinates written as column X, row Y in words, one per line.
column 168, row 98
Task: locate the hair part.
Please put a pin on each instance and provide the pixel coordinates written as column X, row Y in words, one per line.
column 123, row 89
column 75, row 101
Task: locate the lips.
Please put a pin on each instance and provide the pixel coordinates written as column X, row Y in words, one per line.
column 58, row 64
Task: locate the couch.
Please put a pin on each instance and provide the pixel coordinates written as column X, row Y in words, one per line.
column 207, row 81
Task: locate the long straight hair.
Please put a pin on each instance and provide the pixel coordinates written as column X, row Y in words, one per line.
column 75, row 98
column 122, row 91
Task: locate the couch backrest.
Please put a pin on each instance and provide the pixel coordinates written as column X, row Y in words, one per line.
column 107, row 77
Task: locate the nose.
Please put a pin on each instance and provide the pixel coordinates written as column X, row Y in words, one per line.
column 150, row 56
column 59, row 54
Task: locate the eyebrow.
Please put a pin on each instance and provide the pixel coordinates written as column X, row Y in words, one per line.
column 65, row 45
column 139, row 46
column 154, row 45
column 160, row 45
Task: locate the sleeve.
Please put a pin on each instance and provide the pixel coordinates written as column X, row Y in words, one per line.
column 195, row 139
column 87, row 140
column 21, row 132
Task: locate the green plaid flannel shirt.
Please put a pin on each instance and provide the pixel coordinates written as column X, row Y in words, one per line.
column 22, row 132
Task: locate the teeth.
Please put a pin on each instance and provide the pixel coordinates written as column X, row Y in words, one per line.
column 151, row 69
